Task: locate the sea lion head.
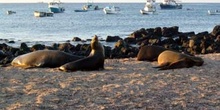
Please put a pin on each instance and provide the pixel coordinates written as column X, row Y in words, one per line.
column 96, row 46
column 198, row 61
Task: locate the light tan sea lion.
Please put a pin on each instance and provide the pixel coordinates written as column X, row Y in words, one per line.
column 173, row 60
column 44, row 58
column 94, row 61
column 149, row 53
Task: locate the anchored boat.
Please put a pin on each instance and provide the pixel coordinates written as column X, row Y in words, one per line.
column 90, row 6
column 111, row 10
column 170, row 4
column 9, row 12
column 56, row 7
column 216, row 12
column 149, row 8
column 43, row 14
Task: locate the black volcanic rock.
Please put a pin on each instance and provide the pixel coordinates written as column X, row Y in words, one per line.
column 113, row 38
column 38, row 47
column 76, row 39
column 216, row 31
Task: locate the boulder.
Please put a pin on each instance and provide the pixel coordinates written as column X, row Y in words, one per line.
column 158, row 31
column 4, row 47
column 216, row 31
column 11, row 42
column 107, row 51
column 170, row 31
column 65, row 47
column 123, row 50
column 76, row 39
column 24, row 47
column 130, row 40
column 113, row 38
column 2, row 55
column 37, row 47
column 139, row 33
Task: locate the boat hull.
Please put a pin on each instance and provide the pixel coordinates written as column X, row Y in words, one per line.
column 147, row 12
column 111, row 10
column 43, row 14
column 213, row 12
column 166, row 6
column 80, row 10
column 10, row 12
column 56, row 10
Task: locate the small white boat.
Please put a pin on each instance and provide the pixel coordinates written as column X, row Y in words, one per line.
column 216, row 12
column 111, row 10
column 43, row 14
column 10, row 12
column 90, row 6
column 55, row 7
column 149, row 8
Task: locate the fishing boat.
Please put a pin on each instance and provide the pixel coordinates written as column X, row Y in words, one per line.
column 170, row 4
column 216, row 12
column 149, row 8
column 43, row 14
column 111, row 10
column 56, row 7
column 9, row 12
column 90, row 6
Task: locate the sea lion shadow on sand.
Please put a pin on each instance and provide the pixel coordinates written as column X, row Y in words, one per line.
column 175, row 60
column 44, row 58
column 95, row 60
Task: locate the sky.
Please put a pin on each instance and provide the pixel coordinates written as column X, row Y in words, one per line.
column 108, row 1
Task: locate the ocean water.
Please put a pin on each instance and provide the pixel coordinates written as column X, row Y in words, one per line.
column 24, row 27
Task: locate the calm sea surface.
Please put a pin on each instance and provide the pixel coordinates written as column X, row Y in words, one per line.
column 24, row 27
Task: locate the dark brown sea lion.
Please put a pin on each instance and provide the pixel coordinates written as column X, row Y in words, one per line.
column 94, row 61
column 173, row 60
column 44, row 58
column 149, row 53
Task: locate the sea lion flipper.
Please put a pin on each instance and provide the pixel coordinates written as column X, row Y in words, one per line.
column 162, row 65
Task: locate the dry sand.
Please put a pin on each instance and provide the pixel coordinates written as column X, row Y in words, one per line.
column 124, row 84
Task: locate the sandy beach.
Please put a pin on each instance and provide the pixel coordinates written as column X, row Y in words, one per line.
column 124, row 84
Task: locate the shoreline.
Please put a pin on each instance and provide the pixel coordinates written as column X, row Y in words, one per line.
column 123, row 84
column 49, row 43
column 167, row 37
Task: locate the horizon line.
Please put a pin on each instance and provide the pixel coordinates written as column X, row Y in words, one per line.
column 106, row 2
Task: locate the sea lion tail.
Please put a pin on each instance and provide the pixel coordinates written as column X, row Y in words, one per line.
column 61, row 68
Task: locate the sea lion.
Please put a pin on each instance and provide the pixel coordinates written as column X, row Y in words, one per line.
column 43, row 58
column 94, row 61
column 173, row 60
column 149, row 52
